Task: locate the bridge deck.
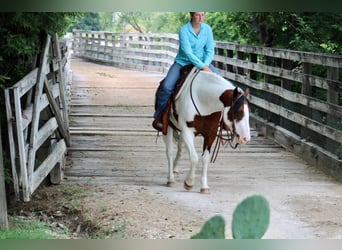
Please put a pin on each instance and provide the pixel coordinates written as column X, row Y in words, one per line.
column 113, row 143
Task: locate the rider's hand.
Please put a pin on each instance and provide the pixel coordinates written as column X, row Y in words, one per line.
column 206, row 68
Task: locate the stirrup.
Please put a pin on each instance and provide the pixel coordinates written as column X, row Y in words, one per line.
column 157, row 125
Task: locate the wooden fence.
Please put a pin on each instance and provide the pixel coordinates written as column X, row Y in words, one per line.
column 3, row 198
column 37, row 119
column 296, row 96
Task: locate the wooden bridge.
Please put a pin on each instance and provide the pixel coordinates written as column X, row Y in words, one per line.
column 296, row 96
column 112, row 141
column 113, row 144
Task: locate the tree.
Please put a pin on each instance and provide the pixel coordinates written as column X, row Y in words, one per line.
column 315, row 32
column 87, row 21
column 22, row 35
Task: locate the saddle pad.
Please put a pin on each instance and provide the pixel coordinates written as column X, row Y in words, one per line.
column 189, row 78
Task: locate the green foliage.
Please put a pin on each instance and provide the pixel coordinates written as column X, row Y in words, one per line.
column 251, row 218
column 250, row 221
column 22, row 35
column 88, row 21
column 309, row 31
column 212, row 229
column 22, row 228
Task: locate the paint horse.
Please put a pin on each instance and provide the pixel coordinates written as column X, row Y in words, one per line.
column 206, row 104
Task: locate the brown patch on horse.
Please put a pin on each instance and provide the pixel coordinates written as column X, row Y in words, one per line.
column 207, row 126
column 227, row 98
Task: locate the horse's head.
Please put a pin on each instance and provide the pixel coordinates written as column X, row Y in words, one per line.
column 237, row 119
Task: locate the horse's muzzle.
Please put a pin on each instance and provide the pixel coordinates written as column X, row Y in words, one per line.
column 244, row 139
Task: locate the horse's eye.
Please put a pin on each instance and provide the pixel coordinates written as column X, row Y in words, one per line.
column 239, row 115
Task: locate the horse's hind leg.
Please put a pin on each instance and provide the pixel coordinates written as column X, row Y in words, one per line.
column 188, row 138
column 168, row 139
column 179, row 141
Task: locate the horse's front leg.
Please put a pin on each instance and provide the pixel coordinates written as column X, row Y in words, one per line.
column 207, row 143
column 188, row 138
column 204, row 179
column 168, row 139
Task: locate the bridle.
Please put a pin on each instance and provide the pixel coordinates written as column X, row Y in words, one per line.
column 229, row 138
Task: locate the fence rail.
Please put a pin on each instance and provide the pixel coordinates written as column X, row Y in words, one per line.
column 296, row 96
column 37, row 120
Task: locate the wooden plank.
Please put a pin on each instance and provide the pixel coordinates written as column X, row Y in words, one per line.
column 46, row 131
column 3, row 198
column 36, row 111
column 27, row 83
column 55, row 110
column 24, row 178
column 61, row 85
column 48, row 164
column 27, row 116
column 10, row 128
column 56, row 173
column 44, row 101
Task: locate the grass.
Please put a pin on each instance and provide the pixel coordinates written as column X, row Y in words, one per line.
column 31, row 228
column 67, row 200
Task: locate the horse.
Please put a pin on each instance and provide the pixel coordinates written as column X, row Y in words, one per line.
column 206, row 104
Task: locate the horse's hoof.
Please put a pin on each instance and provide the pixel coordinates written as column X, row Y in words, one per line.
column 186, row 186
column 170, row 183
column 204, row 191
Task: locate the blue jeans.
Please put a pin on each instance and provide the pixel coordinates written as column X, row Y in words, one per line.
column 168, row 86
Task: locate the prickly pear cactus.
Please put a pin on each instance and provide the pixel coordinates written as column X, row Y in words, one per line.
column 213, row 228
column 251, row 218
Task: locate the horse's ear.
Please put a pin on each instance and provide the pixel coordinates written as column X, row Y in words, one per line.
column 246, row 92
column 235, row 93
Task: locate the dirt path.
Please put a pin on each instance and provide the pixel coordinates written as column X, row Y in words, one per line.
column 115, row 158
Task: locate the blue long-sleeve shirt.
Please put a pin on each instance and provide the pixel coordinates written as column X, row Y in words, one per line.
column 195, row 49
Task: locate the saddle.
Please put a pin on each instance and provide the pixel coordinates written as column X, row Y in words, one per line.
column 165, row 114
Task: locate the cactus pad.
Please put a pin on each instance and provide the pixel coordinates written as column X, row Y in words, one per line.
column 213, row 228
column 251, row 218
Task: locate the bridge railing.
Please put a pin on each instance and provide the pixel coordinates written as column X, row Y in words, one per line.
column 148, row 52
column 296, row 96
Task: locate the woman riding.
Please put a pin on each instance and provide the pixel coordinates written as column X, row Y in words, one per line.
column 196, row 46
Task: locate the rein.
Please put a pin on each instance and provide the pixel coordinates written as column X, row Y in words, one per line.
column 220, row 139
column 192, row 98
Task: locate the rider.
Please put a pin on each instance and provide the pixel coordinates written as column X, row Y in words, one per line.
column 196, row 46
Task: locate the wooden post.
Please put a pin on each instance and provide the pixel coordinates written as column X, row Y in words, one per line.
column 332, row 97
column 221, row 65
column 332, row 94
column 306, row 90
column 230, row 54
column 3, row 202
column 254, row 59
column 240, row 56
column 285, row 84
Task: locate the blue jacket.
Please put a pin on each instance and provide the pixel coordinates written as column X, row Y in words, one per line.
column 195, row 49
